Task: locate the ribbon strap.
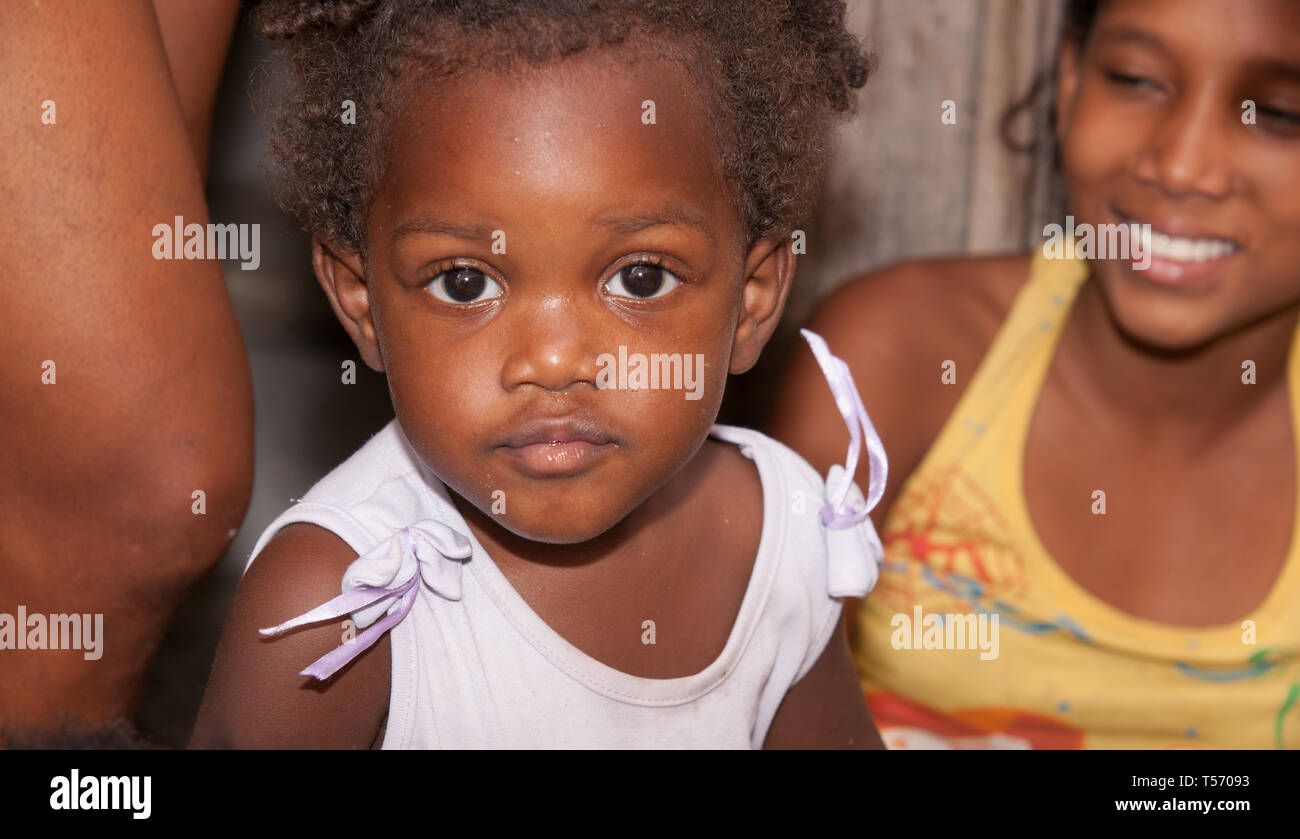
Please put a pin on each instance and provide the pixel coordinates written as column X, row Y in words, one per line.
column 837, row 514
column 423, row 565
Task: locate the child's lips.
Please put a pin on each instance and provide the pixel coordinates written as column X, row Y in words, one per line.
column 558, row 447
column 544, row 460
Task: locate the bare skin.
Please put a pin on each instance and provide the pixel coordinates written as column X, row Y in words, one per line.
column 659, row 521
column 895, row 329
column 152, row 396
column 196, row 34
column 1144, row 397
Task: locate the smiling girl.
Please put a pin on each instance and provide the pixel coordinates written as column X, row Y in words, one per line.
column 1114, row 471
column 530, row 558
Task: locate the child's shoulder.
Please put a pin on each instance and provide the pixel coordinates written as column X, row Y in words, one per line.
column 778, row 484
column 363, row 500
column 791, row 495
column 788, row 468
column 257, row 697
column 897, row 328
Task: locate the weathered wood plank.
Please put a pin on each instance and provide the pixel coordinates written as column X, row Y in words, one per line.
column 902, row 183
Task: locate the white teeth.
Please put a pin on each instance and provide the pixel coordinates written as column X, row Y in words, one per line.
column 1179, row 249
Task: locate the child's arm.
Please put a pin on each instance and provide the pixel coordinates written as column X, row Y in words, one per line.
column 825, row 709
column 255, row 697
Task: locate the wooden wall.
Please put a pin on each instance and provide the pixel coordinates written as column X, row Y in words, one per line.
column 902, row 183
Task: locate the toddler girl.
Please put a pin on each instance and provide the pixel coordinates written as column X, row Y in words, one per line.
column 506, row 199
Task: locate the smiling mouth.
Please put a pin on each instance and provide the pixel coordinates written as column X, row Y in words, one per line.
column 558, row 447
column 1179, row 253
column 1184, row 245
column 1185, row 249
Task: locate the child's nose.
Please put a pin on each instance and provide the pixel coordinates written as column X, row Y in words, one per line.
column 549, row 346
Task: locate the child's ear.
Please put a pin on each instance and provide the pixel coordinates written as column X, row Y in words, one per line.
column 342, row 274
column 769, row 270
column 1067, row 85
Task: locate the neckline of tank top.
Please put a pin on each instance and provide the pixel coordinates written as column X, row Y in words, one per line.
column 590, row 671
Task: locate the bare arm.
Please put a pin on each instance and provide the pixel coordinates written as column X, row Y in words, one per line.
column 865, row 322
column 126, row 387
column 895, row 328
column 196, row 34
column 825, row 709
column 255, row 697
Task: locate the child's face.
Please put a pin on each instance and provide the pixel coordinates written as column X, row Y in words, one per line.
column 547, row 190
column 1152, row 131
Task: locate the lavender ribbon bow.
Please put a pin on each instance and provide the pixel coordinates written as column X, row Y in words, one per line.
column 853, row 548
column 384, row 582
column 837, row 513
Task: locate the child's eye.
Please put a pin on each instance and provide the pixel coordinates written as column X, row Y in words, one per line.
column 1126, row 80
column 463, row 285
column 643, row 281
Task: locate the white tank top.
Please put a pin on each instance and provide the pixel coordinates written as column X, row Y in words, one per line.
column 474, row 666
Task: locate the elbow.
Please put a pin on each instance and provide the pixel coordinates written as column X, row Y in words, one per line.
column 190, row 508
column 217, row 503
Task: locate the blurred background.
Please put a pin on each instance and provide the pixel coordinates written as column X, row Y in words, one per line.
column 902, row 184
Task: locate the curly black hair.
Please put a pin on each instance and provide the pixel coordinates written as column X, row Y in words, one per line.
column 778, row 73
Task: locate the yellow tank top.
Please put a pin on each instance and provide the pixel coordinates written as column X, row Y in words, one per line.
column 975, row 638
